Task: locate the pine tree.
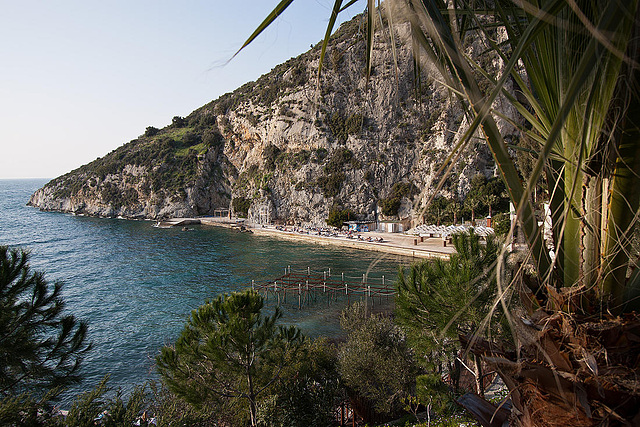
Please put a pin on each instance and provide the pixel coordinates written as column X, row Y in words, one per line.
column 228, row 353
column 439, row 299
column 41, row 349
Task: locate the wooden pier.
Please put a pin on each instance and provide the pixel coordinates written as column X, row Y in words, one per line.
column 307, row 286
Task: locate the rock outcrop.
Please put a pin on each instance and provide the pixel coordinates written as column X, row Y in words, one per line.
column 288, row 147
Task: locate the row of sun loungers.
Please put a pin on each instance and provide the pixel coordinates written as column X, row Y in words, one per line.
column 447, row 231
column 329, row 232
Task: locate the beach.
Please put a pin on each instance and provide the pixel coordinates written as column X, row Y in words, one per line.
column 392, row 243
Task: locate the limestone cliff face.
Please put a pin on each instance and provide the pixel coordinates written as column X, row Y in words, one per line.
column 285, row 147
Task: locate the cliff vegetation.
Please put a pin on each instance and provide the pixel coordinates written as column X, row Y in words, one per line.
column 291, row 147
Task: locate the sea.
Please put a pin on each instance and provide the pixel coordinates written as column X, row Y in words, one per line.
column 136, row 284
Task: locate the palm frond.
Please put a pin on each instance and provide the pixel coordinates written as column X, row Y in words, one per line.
column 332, row 20
column 277, row 11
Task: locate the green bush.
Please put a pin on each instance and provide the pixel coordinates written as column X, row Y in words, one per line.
column 241, row 206
column 212, row 138
column 151, row 131
column 376, row 363
column 178, row 122
column 338, row 160
column 191, row 138
column 307, row 391
column 112, row 411
column 206, row 119
column 319, row 155
column 341, row 127
column 353, row 124
column 369, row 176
column 269, row 155
column 501, row 223
column 389, row 206
column 171, row 410
column 331, row 184
column 338, row 216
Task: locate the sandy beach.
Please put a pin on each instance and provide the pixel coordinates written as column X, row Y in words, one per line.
column 392, row 243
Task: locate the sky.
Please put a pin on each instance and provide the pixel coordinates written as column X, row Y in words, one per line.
column 79, row 78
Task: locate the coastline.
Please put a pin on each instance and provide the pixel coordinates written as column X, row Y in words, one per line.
column 392, row 243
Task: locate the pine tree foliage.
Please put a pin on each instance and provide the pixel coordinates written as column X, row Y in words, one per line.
column 228, row 353
column 447, row 297
column 308, row 391
column 439, row 299
column 95, row 407
column 26, row 409
column 40, row 347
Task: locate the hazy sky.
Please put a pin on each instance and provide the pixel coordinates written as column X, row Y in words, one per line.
column 80, row 78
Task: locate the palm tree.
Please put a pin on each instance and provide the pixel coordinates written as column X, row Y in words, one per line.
column 437, row 210
column 580, row 87
column 574, row 66
column 453, row 208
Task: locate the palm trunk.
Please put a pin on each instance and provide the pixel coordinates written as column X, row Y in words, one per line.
column 573, row 215
column 624, row 197
column 591, row 229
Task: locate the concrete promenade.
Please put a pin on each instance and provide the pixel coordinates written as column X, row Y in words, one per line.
column 392, row 243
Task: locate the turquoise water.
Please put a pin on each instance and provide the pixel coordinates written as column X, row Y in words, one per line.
column 136, row 284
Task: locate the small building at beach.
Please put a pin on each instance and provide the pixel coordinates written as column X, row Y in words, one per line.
column 361, row 226
column 394, row 226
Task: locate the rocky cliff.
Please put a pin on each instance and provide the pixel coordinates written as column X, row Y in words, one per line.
column 289, row 147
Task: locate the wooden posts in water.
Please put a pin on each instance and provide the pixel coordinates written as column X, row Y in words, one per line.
column 383, row 287
column 306, row 282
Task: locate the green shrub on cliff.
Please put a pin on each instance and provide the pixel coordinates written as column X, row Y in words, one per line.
column 338, row 160
column 342, row 126
column 338, row 216
column 269, row 155
column 391, row 204
column 241, row 206
column 331, row 184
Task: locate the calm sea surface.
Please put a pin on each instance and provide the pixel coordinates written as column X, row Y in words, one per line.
column 136, row 284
